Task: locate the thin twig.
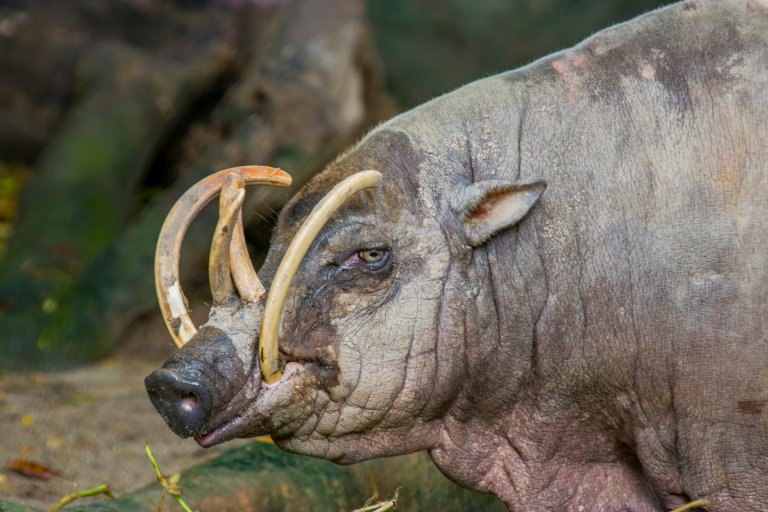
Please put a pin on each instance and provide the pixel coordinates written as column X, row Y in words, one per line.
column 693, row 504
column 368, row 508
column 170, row 484
column 66, row 500
column 381, row 506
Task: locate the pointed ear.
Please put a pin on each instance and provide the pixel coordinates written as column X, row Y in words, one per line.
column 486, row 207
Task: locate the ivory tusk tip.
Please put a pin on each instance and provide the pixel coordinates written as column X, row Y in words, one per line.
column 277, row 176
column 235, row 203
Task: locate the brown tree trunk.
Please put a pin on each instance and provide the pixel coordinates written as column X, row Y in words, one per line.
column 71, row 284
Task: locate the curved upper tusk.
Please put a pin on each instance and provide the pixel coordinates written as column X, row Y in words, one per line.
column 173, row 304
column 219, row 275
column 268, row 346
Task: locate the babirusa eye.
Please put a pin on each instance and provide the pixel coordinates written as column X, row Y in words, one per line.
column 373, row 260
column 371, row 255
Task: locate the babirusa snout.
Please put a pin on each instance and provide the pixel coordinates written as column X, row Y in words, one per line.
column 173, row 304
column 268, row 347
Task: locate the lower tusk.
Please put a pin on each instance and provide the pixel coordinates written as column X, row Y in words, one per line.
column 232, row 195
column 268, row 338
column 247, row 281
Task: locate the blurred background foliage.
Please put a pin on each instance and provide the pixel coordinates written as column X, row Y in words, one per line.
column 429, row 47
column 110, row 110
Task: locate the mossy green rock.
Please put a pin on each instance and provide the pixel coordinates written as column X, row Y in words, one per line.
column 264, row 478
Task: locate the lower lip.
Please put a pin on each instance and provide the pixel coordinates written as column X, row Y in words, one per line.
column 208, row 439
column 290, row 368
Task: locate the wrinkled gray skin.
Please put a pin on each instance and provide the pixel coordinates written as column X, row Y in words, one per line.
column 606, row 352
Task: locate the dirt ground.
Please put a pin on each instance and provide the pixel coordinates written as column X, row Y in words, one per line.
column 89, row 425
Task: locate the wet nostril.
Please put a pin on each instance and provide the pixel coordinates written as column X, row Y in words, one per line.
column 188, row 401
column 184, row 402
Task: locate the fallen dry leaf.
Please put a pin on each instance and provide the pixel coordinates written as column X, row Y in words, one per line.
column 31, row 469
